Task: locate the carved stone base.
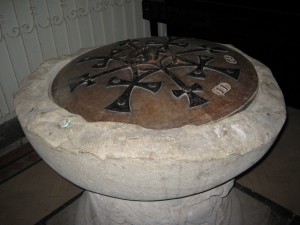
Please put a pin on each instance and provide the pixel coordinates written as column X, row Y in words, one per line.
column 210, row 207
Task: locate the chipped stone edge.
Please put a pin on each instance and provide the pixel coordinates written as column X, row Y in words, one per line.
column 252, row 128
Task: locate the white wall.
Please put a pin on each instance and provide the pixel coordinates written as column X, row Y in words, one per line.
column 32, row 31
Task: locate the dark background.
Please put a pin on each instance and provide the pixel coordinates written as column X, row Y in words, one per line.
column 267, row 32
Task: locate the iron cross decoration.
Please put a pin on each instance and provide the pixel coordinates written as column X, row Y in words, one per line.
column 146, row 59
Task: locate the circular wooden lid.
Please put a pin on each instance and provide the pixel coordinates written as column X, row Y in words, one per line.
column 156, row 82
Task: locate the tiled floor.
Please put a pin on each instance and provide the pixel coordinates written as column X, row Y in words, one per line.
column 35, row 193
column 11, row 136
column 277, row 175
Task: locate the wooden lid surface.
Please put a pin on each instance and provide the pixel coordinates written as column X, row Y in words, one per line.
column 157, row 82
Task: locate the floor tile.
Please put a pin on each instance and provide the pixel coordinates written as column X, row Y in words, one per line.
column 10, row 132
column 32, row 195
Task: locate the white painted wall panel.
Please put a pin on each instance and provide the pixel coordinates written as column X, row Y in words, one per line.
column 57, row 22
column 119, row 22
column 139, row 23
column 109, row 23
column 4, row 108
column 43, row 28
column 85, row 25
column 32, row 31
column 71, row 24
column 97, row 23
column 13, row 40
column 8, row 80
column 129, row 18
column 28, row 33
column 162, row 29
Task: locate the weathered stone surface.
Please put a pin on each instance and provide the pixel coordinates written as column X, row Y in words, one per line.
column 131, row 162
column 211, row 207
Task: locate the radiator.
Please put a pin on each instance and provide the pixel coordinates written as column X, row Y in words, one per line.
column 32, row 31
